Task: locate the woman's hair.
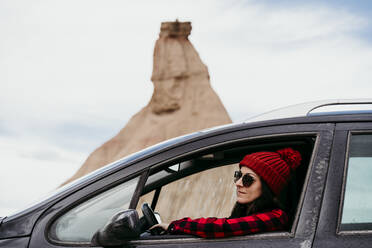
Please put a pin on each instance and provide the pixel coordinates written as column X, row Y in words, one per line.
column 266, row 201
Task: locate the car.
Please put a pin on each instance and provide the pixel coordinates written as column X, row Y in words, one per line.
column 331, row 205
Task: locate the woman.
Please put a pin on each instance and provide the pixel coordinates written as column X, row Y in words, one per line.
column 261, row 178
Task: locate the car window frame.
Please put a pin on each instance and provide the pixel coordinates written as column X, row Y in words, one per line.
column 242, row 142
column 259, row 236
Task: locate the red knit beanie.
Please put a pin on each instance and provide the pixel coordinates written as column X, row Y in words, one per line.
column 273, row 167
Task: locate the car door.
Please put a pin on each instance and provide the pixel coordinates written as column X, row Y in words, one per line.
column 346, row 214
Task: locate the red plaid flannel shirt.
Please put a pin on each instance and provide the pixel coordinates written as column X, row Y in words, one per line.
column 273, row 220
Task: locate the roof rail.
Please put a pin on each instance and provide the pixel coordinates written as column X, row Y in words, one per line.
column 323, row 107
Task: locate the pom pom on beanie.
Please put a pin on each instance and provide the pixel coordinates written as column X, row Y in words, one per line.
column 273, row 167
column 291, row 157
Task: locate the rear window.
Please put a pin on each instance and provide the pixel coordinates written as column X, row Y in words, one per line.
column 357, row 204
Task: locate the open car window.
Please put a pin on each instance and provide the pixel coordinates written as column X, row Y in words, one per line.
column 201, row 185
column 193, row 196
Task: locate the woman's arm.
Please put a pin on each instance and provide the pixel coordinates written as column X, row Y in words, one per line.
column 224, row 227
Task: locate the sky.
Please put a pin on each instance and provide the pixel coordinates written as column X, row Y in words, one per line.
column 73, row 72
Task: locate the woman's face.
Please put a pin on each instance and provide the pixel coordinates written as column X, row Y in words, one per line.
column 244, row 194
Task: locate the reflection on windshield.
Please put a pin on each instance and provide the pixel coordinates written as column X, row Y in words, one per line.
column 80, row 223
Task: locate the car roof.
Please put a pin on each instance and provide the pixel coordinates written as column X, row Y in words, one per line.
column 324, row 107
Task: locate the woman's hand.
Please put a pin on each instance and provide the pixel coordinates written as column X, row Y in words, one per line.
column 159, row 229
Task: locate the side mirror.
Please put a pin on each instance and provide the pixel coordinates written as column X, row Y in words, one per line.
column 123, row 226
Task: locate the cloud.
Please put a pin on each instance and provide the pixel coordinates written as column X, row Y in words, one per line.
column 32, row 168
column 281, row 56
column 5, row 130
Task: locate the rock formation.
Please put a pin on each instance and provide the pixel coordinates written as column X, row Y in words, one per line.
column 183, row 101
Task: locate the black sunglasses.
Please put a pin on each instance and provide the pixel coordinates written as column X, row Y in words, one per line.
column 247, row 178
